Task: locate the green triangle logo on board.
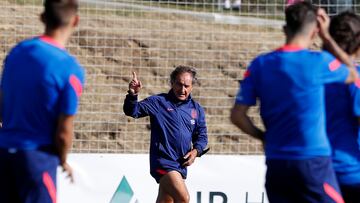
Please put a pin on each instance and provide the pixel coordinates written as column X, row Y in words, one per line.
column 123, row 193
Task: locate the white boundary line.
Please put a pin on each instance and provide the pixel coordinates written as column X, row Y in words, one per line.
column 215, row 17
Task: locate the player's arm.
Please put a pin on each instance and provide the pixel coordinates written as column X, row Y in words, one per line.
column 240, row 118
column 63, row 141
column 199, row 139
column 69, row 101
column 333, row 48
column 330, row 45
column 353, row 76
column 245, row 98
column 131, row 105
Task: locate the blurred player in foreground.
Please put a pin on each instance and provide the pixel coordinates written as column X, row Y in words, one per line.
column 40, row 88
column 289, row 84
column 343, row 111
column 178, row 132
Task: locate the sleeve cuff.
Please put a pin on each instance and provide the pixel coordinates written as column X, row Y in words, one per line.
column 199, row 151
column 132, row 97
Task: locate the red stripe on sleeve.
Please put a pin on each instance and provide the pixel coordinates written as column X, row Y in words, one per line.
column 333, row 194
column 76, row 85
column 334, row 65
column 246, row 74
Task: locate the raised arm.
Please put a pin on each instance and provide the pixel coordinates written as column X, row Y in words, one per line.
column 69, row 102
column 131, row 105
column 330, row 45
column 134, row 85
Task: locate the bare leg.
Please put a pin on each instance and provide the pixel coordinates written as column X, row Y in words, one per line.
column 172, row 189
column 163, row 197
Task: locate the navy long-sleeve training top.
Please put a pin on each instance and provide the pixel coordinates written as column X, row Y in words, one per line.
column 176, row 127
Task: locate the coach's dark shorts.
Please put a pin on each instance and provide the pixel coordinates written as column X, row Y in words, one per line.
column 158, row 173
column 302, row 181
column 28, row 176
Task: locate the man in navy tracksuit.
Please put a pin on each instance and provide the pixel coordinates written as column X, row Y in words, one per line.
column 178, row 131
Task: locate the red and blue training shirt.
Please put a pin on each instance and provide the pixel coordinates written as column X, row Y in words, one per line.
column 342, row 119
column 289, row 84
column 40, row 81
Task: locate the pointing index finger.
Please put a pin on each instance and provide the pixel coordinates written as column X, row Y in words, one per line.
column 134, row 76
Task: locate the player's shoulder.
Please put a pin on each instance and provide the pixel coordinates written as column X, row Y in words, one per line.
column 66, row 69
column 264, row 57
column 78, row 71
column 26, row 42
column 22, row 46
column 258, row 60
column 62, row 60
column 74, row 65
column 43, row 50
column 52, row 49
column 321, row 54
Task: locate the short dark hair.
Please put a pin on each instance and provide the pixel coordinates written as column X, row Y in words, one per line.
column 345, row 30
column 298, row 16
column 57, row 13
column 183, row 69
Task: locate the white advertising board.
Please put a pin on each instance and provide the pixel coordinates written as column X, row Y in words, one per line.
column 125, row 178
